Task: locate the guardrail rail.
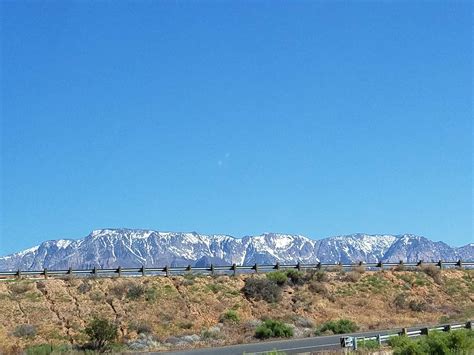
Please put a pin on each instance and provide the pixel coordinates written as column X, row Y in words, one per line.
column 233, row 269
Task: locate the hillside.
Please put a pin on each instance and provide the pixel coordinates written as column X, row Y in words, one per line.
column 188, row 311
column 135, row 247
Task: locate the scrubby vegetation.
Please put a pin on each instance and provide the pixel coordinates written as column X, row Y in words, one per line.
column 101, row 333
column 454, row 342
column 273, row 329
column 262, row 289
column 340, row 326
column 230, row 316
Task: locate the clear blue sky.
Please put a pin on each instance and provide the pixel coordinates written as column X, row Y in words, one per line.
column 317, row 118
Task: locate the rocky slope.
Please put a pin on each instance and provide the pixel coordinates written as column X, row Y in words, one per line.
column 129, row 247
column 186, row 311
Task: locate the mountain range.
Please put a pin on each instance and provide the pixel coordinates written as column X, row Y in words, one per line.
column 135, row 247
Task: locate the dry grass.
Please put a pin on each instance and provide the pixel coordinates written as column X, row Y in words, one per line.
column 59, row 309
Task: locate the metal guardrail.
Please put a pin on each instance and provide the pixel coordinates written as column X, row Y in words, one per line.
column 352, row 342
column 233, row 269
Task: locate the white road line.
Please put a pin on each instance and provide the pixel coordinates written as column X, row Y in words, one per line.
column 299, row 348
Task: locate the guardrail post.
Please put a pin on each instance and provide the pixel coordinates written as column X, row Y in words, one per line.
column 143, row 270
column 212, row 269
column 189, row 269
column 354, row 343
column 424, row 331
column 298, row 266
column 459, row 263
column 403, row 332
column 469, row 325
column 69, row 271
column 234, row 269
column 440, row 264
column 419, row 263
column 447, row 328
column 277, row 266
column 119, row 271
column 94, row 271
column 380, row 264
column 255, row 267
column 18, row 274
column 167, row 271
column 379, row 339
column 318, row 266
column 45, row 273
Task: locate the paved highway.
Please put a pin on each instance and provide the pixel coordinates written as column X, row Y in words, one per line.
column 291, row 346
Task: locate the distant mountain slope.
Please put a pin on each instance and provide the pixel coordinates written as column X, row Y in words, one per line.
column 133, row 247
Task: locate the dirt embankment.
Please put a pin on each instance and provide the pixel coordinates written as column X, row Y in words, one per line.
column 57, row 310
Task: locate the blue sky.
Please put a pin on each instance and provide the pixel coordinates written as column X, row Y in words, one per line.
column 318, row 118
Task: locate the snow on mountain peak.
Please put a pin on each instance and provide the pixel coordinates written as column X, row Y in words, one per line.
column 135, row 247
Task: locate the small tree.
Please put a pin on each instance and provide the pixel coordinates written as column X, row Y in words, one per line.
column 101, row 332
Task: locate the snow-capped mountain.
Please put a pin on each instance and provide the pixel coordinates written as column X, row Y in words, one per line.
column 133, row 247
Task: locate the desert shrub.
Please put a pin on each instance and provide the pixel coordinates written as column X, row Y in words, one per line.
column 273, row 329
column 135, row 291
column 303, row 322
column 352, row 276
column 340, row 326
column 322, row 289
column 368, row 344
column 119, row 290
column 400, row 301
column 417, row 306
column 321, row 276
column 262, row 289
column 279, row 277
column 84, row 287
column 21, row 287
column 399, row 267
column 360, row 269
column 101, row 333
column 185, row 325
column 296, row 277
column 151, row 294
column 434, row 272
column 41, row 285
column 141, row 327
column 96, row 296
column 230, row 316
column 25, row 331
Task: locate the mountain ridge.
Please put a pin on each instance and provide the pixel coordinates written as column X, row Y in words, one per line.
column 135, row 247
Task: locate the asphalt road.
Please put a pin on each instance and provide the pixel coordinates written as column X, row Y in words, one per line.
column 292, row 346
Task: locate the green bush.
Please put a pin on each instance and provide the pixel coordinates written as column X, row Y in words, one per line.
column 25, row 331
column 279, row 277
column 262, row 289
column 340, row 326
column 273, row 329
column 368, row 344
column 230, row 316
column 418, row 306
column 296, row 277
column 101, row 333
column 435, row 343
column 134, row 292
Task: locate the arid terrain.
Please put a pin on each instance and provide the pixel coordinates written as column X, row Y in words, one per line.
column 192, row 311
